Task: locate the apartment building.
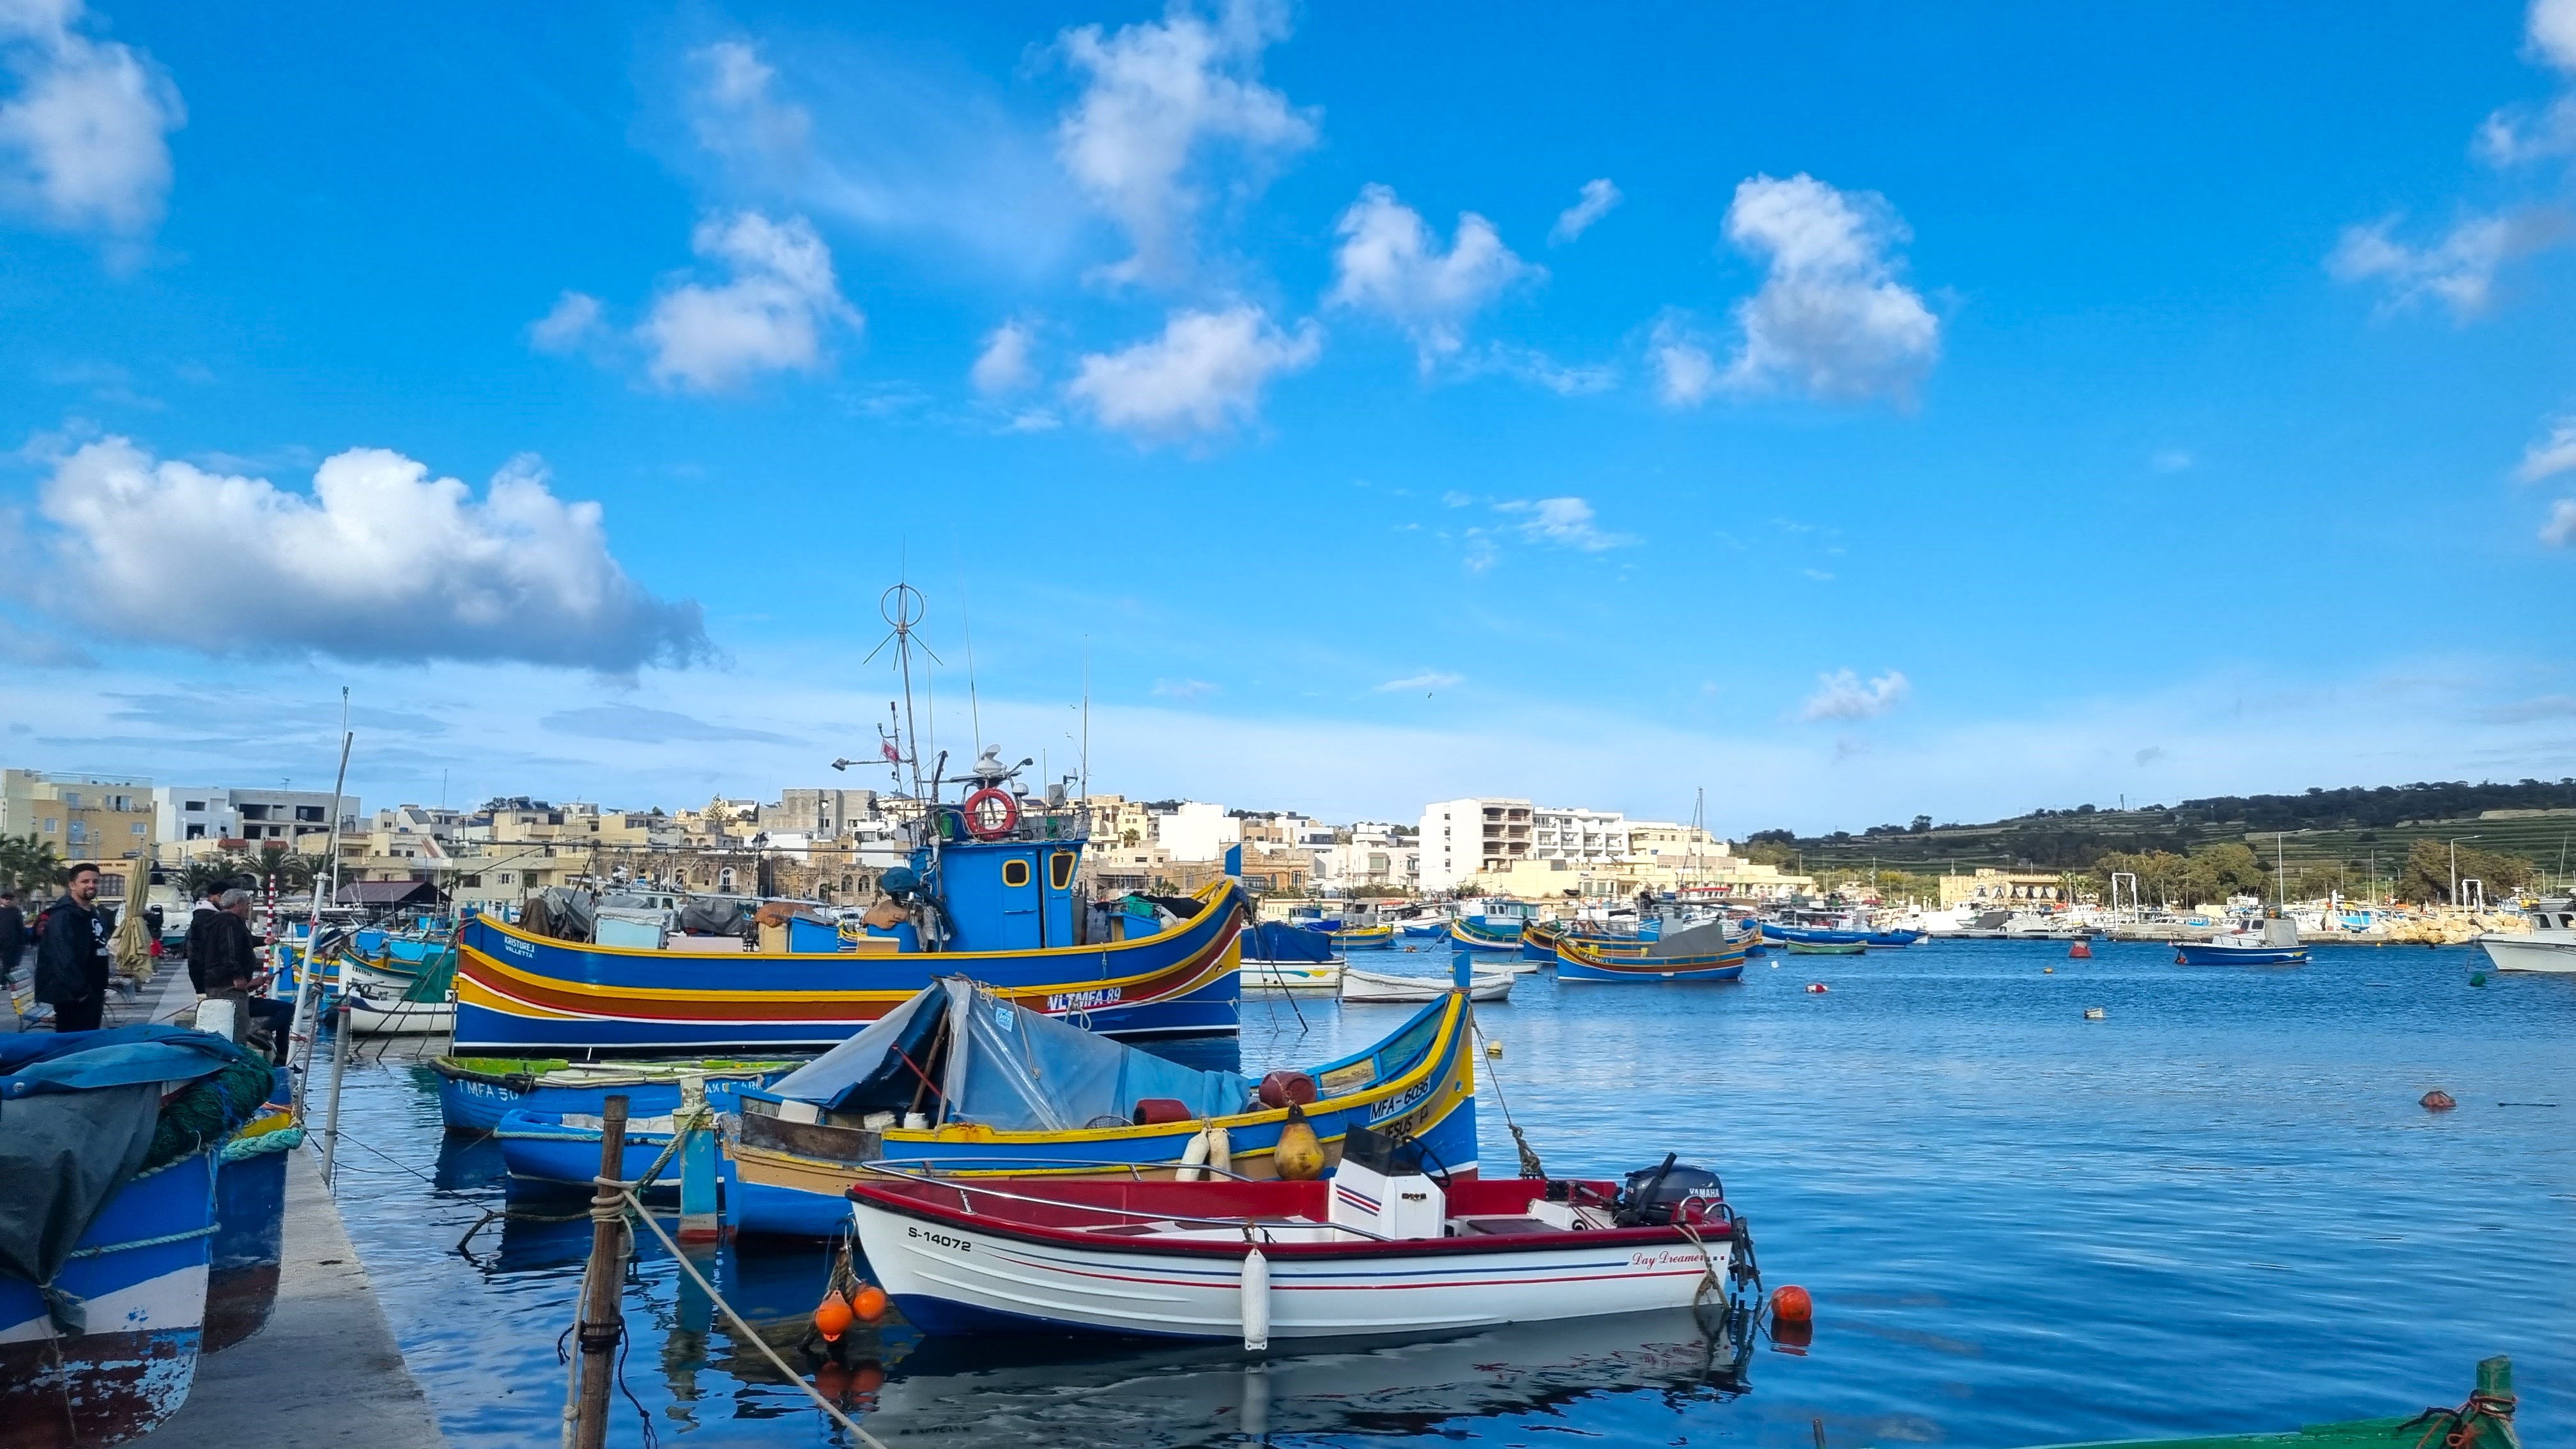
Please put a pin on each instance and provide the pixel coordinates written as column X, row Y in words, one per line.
column 105, row 818
column 1197, row 830
column 1462, row 837
column 196, row 818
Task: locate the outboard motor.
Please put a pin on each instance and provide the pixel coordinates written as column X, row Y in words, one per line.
column 1654, row 1197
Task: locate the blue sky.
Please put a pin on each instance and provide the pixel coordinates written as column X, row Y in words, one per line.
column 1855, row 411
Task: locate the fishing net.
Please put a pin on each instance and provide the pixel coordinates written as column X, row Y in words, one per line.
column 210, row 1109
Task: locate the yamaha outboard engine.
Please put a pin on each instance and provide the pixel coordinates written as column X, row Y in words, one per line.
column 1654, row 1197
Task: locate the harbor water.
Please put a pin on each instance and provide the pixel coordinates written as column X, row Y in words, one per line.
column 2217, row 1208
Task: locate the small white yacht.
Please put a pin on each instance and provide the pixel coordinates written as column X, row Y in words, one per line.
column 2550, row 944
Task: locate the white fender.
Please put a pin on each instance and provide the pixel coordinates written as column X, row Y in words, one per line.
column 1256, row 1301
column 1192, row 1156
column 1220, row 1152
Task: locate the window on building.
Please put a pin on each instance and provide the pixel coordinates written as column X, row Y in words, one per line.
column 196, row 832
column 505, row 877
column 470, row 882
column 254, row 812
column 51, row 825
column 308, row 812
column 196, row 804
column 137, row 827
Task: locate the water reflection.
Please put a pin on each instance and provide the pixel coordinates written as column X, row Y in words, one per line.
column 996, row 1391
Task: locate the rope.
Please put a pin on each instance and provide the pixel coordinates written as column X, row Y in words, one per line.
column 283, row 1140
column 2465, row 1427
column 207, row 1231
column 741, row 1328
column 1530, row 1167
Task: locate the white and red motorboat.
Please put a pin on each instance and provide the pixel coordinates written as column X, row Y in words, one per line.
column 1380, row 1248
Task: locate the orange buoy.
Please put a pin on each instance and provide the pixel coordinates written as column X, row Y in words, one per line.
column 2082, row 950
column 869, row 1303
column 1790, row 1304
column 1817, row 987
column 833, row 1318
column 2437, row 1100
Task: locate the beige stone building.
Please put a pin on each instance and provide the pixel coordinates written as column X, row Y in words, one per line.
column 102, row 818
column 2001, row 888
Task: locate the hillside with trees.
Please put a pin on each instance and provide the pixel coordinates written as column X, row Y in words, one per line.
column 2364, row 841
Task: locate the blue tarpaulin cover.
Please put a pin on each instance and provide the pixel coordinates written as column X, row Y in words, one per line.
column 1002, row 1065
column 1280, row 941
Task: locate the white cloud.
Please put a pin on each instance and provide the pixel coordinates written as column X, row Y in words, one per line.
column 1004, row 365
column 1598, row 197
column 2551, row 26
column 2458, row 271
column 2171, row 460
column 1565, row 379
column 380, row 561
column 853, row 134
column 1565, row 521
column 1686, row 375
column 83, row 140
column 1203, row 375
column 1427, row 682
column 2560, row 530
column 1830, row 316
column 1841, row 695
column 1185, row 689
column 2550, row 456
column 770, row 317
column 574, row 320
column 2516, row 134
column 1390, row 262
column 1157, row 97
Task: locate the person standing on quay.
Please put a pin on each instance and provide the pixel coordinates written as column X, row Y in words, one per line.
column 201, row 922
column 13, row 945
column 72, row 958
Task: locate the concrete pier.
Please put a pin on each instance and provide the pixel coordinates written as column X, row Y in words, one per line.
column 324, row 1371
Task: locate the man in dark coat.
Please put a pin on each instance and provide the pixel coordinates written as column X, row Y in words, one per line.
column 232, row 972
column 72, row 958
column 200, row 921
column 13, row 944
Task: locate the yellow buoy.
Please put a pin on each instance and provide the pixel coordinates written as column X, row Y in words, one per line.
column 1493, row 1048
column 1300, row 1155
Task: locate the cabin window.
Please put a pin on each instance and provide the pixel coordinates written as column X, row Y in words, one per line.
column 1060, row 870
column 1015, row 872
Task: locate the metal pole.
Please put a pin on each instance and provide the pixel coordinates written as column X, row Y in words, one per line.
column 602, row 1322
column 339, row 1069
column 304, row 971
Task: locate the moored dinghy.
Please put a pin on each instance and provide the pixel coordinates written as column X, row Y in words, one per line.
column 1382, row 1248
column 474, row 1092
column 1386, row 988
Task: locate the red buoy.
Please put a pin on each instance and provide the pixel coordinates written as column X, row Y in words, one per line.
column 1790, row 1304
column 2082, row 950
column 832, row 1319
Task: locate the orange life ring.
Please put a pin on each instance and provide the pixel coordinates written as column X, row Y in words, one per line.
column 990, row 813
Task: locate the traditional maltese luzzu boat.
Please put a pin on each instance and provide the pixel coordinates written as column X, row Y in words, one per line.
column 991, row 893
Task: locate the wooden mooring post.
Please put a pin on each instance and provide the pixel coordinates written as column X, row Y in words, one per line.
column 602, row 1318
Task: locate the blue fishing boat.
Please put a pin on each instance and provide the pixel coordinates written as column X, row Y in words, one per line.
column 962, row 1081
column 1362, row 938
column 249, row 1246
column 107, row 1224
column 562, row 1150
column 1422, row 930
column 474, row 1093
column 1817, row 936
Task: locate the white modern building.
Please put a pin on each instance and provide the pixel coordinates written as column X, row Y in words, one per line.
column 190, row 818
column 1374, row 855
column 1197, row 830
column 1496, row 833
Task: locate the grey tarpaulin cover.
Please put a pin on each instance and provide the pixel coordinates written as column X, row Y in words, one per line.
column 1002, row 1065
column 713, row 918
column 77, row 1111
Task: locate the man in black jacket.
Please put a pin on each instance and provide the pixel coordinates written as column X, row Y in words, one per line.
column 233, row 970
column 72, row 958
column 201, row 921
column 13, row 945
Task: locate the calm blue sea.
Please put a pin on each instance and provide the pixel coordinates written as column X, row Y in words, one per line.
column 2218, row 1209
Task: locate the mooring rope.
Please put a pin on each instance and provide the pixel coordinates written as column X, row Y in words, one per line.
column 745, row 1330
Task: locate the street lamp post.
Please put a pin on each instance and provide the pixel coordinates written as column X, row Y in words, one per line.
column 2455, row 867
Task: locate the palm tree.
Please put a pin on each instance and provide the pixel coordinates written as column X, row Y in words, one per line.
column 27, row 863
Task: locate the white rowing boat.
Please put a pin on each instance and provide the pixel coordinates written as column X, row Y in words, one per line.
column 1292, row 975
column 1381, row 987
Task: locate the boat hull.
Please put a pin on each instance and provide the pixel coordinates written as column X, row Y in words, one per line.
column 1575, row 963
column 2210, row 954
column 1373, row 988
column 392, row 1016
column 793, row 1179
column 1467, row 937
column 959, row 1274
column 250, row 1236
column 474, row 1094
column 143, row 1291
column 520, row 994
column 1292, row 975
column 2530, row 952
